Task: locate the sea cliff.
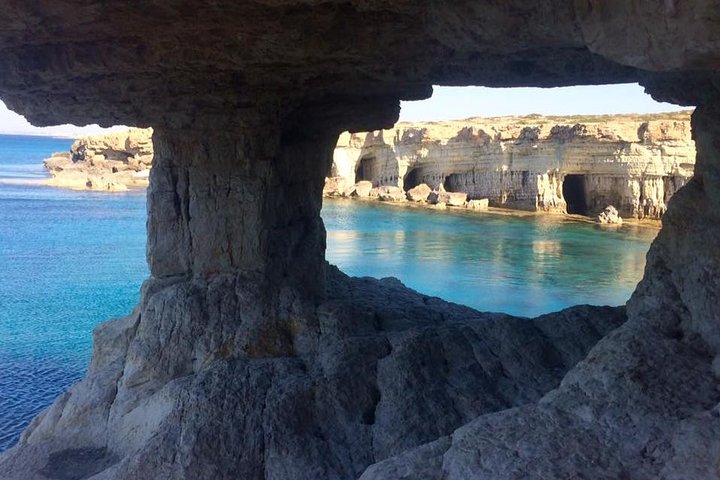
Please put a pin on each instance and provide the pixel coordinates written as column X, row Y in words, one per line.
column 549, row 164
column 574, row 164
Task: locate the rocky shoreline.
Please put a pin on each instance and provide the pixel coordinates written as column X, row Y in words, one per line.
column 111, row 162
column 602, row 167
column 608, row 168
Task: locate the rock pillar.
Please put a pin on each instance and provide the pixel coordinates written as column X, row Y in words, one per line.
column 223, row 202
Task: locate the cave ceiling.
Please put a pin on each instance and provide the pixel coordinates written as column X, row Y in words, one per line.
column 178, row 63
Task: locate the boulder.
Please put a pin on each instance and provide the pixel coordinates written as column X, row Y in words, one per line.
column 58, row 162
column 361, row 189
column 456, row 199
column 453, row 199
column 419, row 193
column 610, row 216
column 388, row 194
column 481, row 204
column 334, row 187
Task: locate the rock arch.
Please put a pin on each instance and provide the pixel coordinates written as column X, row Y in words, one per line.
column 250, row 357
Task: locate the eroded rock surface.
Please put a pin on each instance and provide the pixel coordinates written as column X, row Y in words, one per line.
column 247, row 357
column 373, row 370
column 536, row 163
column 111, row 162
column 644, row 403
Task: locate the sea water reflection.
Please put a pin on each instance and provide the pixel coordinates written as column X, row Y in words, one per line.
column 519, row 265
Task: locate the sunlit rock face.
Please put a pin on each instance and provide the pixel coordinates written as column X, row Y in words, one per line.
column 249, row 357
column 633, row 162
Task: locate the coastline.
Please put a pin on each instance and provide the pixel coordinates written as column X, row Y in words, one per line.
column 648, row 224
column 67, row 184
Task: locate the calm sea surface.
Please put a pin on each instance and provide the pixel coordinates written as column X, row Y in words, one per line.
column 69, row 260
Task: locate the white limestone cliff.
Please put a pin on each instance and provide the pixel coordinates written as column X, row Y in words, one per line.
column 552, row 164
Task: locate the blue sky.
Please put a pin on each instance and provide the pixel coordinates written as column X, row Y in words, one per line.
column 448, row 103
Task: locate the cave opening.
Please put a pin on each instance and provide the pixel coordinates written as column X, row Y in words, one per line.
column 575, row 193
column 452, row 183
column 365, row 169
column 412, row 179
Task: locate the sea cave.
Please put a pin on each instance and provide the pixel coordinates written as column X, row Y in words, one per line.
column 249, row 356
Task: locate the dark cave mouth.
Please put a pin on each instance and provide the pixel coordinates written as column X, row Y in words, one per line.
column 412, row 179
column 574, row 192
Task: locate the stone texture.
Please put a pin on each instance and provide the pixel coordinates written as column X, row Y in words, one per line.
column 419, row 193
column 361, row 189
column 249, row 358
column 644, row 403
column 107, row 162
column 388, row 194
column 334, row 187
column 481, row 204
column 610, row 216
column 373, row 370
column 634, row 162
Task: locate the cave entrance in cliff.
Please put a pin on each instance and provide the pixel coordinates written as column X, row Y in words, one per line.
column 412, row 179
column 365, row 169
column 575, row 193
column 452, row 183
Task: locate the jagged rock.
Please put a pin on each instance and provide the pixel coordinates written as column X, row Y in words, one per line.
column 247, row 358
column 610, row 215
column 334, row 187
column 106, row 162
column 419, row 193
column 567, row 133
column 481, row 204
column 386, row 369
column 454, row 199
column 529, row 135
column 102, row 183
column 361, row 189
column 388, row 194
column 58, row 162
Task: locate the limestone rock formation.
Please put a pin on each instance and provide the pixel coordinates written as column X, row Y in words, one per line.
column 249, row 357
column 379, row 369
column 481, row 204
column 109, row 162
column 361, row 189
column 419, row 193
column 388, row 194
column 335, row 187
column 610, row 216
column 537, row 163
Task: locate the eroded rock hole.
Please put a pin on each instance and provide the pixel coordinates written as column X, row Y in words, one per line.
column 575, row 193
column 366, row 169
column 412, row 179
column 452, row 183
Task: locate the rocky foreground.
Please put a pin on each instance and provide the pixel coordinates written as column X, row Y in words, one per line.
column 378, row 370
column 248, row 357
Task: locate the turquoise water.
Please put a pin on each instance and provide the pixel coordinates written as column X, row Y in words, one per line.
column 69, row 260
column 524, row 266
